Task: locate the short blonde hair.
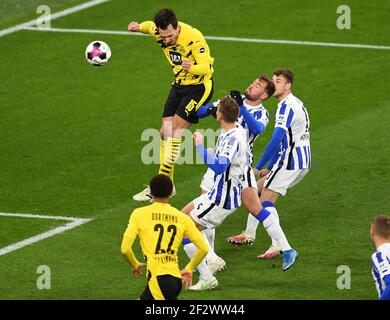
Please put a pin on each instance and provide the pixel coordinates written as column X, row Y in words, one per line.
column 381, row 226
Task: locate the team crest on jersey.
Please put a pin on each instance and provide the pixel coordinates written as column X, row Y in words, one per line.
column 175, row 57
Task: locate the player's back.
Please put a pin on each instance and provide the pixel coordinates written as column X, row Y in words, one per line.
column 161, row 229
column 300, row 124
column 226, row 191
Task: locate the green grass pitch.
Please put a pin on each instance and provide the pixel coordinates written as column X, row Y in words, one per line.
column 71, row 143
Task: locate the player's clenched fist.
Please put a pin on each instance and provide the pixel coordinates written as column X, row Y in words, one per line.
column 186, row 64
column 198, row 138
column 133, row 26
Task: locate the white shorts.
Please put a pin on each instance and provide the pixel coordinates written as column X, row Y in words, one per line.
column 280, row 179
column 249, row 180
column 207, row 214
column 207, row 180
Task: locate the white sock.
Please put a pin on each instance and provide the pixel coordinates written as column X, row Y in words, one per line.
column 204, row 271
column 251, row 226
column 210, row 234
column 275, row 231
column 211, row 255
column 274, row 212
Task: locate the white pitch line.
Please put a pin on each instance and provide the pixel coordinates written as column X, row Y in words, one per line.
column 113, row 32
column 37, row 216
column 74, row 222
column 231, row 39
column 53, row 16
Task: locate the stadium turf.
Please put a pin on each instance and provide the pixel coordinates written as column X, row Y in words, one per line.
column 71, row 144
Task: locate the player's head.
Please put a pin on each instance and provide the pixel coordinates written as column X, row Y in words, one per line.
column 380, row 228
column 283, row 80
column 161, row 186
column 228, row 110
column 260, row 89
column 168, row 27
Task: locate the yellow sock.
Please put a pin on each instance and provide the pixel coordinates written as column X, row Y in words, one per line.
column 169, row 153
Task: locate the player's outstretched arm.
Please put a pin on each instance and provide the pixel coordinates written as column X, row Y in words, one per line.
column 206, row 110
column 144, row 27
column 218, row 165
column 255, row 126
column 272, row 148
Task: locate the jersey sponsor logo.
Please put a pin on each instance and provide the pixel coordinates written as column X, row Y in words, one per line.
column 175, row 57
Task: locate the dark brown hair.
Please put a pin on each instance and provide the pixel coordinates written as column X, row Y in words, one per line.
column 382, row 226
column 161, row 186
column 164, row 17
column 270, row 88
column 229, row 109
column 288, row 74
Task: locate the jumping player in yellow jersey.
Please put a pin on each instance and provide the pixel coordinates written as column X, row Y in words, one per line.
column 161, row 229
column 192, row 66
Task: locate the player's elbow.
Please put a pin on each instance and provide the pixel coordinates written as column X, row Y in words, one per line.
column 257, row 130
column 125, row 249
column 219, row 169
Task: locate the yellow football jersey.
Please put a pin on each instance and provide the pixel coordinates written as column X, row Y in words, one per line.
column 161, row 229
column 190, row 45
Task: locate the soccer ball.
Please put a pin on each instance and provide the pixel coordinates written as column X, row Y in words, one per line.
column 98, row 53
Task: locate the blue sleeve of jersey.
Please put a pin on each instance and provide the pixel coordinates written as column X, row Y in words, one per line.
column 205, row 110
column 218, row 165
column 386, row 293
column 256, row 127
column 273, row 161
column 271, row 150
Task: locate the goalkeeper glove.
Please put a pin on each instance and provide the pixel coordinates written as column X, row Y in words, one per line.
column 236, row 95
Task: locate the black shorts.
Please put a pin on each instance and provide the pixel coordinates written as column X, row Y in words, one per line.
column 169, row 285
column 184, row 100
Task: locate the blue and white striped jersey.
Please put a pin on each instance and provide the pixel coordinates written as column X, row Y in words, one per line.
column 380, row 260
column 292, row 116
column 226, row 191
column 259, row 113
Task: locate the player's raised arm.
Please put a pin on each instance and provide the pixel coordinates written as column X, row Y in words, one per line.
column 217, row 164
column 144, row 27
column 272, row 148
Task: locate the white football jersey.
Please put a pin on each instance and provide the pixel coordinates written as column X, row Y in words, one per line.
column 226, row 191
column 292, row 116
column 380, row 260
column 260, row 114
